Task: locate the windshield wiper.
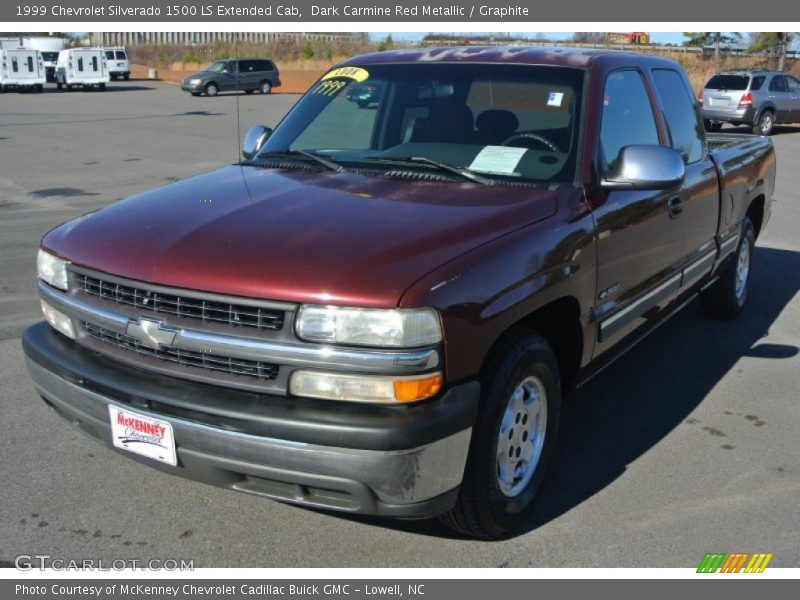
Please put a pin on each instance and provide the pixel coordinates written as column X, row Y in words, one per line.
column 422, row 160
column 319, row 159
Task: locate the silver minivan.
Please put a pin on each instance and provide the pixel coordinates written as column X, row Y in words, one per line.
column 244, row 74
column 759, row 99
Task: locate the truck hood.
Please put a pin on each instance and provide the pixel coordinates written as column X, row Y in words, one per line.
column 294, row 235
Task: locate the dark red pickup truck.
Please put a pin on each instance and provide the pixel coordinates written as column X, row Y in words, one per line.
column 382, row 307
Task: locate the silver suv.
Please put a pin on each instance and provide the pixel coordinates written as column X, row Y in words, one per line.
column 756, row 98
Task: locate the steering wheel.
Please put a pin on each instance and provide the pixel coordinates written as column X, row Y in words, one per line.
column 527, row 135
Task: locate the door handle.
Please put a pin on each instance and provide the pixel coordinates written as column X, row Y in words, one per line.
column 675, row 205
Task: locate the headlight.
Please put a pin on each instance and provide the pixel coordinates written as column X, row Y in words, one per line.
column 394, row 328
column 194, row 81
column 52, row 269
column 364, row 388
column 58, row 320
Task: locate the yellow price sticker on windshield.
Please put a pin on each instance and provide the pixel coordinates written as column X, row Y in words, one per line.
column 356, row 73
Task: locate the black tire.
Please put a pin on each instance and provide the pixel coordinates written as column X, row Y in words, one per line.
column 39, row 88
column 195, row 93
column 211, row 90
column 59, row 85
column 265, row 87
column 483, row 510
column 765, row 123
column 69, row 87
column 715, row 126
column 101, row 87
column 728, row 296
column 362, row 104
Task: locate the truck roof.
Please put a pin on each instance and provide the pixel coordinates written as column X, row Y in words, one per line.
column 539, row 55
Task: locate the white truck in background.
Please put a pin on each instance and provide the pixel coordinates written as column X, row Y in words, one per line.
column 47, row 45
column 118, row 65
column 22, row 69
column 85, row 67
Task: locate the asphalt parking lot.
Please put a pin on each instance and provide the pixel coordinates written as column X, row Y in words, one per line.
column 685, row 446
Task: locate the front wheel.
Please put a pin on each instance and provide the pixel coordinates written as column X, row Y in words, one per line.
column 764, row 124
column 211, row 89
column 512, row 440
column 727, row 297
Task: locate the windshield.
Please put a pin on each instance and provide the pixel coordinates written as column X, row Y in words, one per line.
column 728, row 82
column 506, row 122
column 217, row 66
column 50, row 56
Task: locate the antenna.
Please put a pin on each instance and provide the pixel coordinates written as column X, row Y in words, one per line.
column 238, row 114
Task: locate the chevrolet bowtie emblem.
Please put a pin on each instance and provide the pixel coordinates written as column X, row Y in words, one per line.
column 151, row 333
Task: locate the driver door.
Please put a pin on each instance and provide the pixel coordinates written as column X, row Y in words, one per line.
column 639, row 235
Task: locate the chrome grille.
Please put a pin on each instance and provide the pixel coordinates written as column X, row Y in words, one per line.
column 235, row 315
column 210, row 362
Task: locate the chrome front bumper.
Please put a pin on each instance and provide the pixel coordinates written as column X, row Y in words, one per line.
column 395, row 480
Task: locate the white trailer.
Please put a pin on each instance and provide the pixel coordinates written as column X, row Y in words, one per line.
column 85, row 67
column 47, row 45
column 21, row 68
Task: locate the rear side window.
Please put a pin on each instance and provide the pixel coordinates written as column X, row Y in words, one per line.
column 265, row 65
column 30, row 64
column 680, row 114
column 14, row 64
column 627, row 114
column 121, row 55
column 94, row 63
column 757, row 82
column 778, row 84
column 80, row 64
column 792, row 85
column 728, row 82
column 247, row 66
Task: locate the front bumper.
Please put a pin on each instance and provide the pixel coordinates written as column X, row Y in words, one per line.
column 192, row 87
column 404, row 461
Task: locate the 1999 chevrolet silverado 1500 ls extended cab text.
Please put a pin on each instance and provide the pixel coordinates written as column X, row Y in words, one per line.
column 380, row 309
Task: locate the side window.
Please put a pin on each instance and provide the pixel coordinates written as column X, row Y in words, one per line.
column 685, row 128
column 110, row 54
column 94, row 63
column 793, row 85
column 757, row 82
column 627, row 117
column 232, row 66
column 30, row 64
column 14, row 64
column 121, row 55
column 80, row 64
column 268, row 66
column 778, row 84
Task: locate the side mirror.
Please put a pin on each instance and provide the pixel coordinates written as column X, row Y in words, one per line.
column 646, row 167
column 256, row 137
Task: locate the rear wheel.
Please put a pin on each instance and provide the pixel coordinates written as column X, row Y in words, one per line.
column 765, row 123
column 211, row 89
column 69, row 87
column 39, row 88
column 265, row 87
column 512, row 440
column 59, row 85
column 727, row 297
column 101, row 87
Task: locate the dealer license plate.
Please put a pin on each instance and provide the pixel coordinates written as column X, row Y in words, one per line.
column 142, row 435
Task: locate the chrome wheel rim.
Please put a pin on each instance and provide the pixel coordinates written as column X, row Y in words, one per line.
column 521, row 438
column 742, row 270
column 766, row 123
column 211, row 90
column 265, row 88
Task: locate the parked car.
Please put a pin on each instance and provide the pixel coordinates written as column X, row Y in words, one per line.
column 84, row 67
column 21, row 69
column 244, row 74
column 118, row 65
column 382, row 311
column 365, row 93
column 756, row 98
